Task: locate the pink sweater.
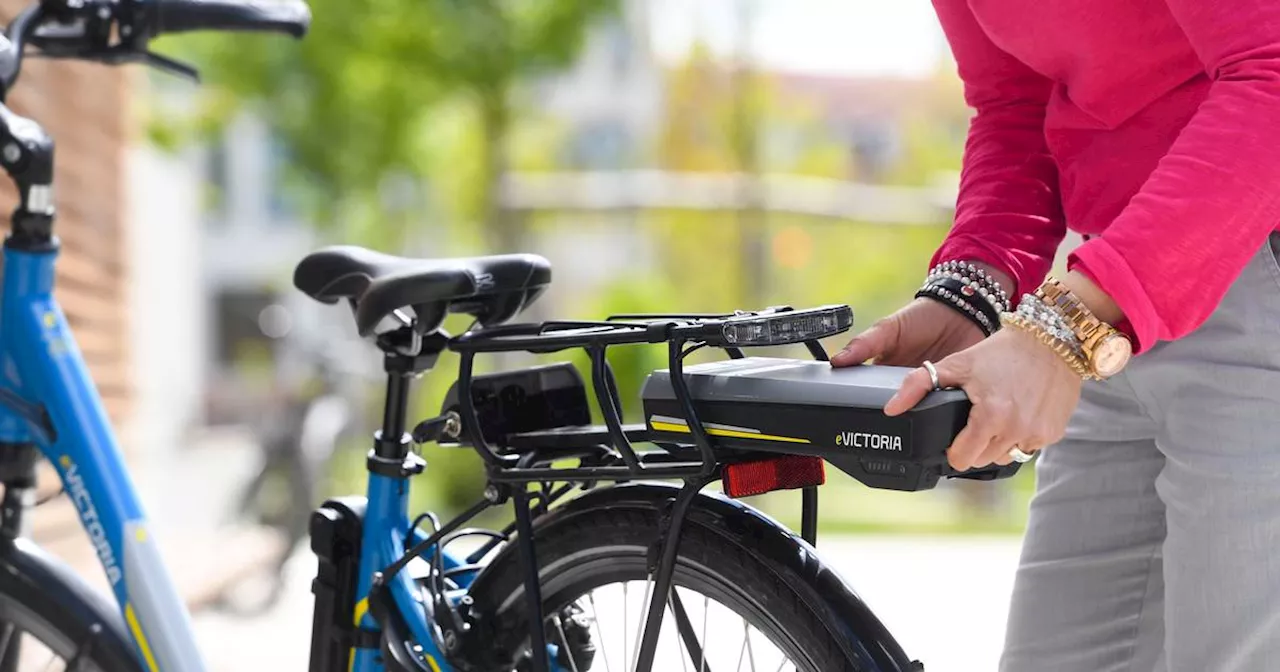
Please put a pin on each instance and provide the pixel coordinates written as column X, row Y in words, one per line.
column 1151, row 126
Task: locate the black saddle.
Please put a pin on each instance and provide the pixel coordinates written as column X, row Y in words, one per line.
column 493, row 289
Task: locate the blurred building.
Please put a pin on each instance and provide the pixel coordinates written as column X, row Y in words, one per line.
column 611, row 98
column 251, row 236
column 612, row 101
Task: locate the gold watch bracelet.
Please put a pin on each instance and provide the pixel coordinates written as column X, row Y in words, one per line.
column 1064, row 349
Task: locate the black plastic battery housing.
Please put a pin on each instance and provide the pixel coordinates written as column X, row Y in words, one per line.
column 803, row 407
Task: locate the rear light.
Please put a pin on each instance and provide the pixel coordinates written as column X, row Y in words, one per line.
column 779, row 473
column 792, row 326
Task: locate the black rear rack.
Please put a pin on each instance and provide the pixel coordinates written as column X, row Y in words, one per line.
column 616, row 459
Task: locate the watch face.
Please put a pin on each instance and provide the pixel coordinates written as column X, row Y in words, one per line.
column 1111, row 355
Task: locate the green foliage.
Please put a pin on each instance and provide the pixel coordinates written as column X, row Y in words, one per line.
column 352, row 101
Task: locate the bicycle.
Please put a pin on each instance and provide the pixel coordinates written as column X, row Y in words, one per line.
column 301, row 429
column 590, row 527
column 389, row 595
column 49, row 406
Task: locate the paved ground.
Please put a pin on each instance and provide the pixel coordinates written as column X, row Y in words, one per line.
column 944, row 598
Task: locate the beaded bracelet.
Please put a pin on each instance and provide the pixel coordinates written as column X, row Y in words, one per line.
column 970, row 291
column 948, row 294
column 986, row 285
column 992, row 293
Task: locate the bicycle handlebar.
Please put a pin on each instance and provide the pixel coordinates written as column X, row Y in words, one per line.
column 118, row 31
column 111, row 32
column 180, row 16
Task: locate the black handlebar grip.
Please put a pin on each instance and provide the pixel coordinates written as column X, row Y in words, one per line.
column 291, row 17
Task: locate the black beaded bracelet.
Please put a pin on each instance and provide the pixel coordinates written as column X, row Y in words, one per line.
column 985, row 284
column 960, row 297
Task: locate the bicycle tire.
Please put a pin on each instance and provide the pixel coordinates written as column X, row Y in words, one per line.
column 43, row 598
column 602, row 545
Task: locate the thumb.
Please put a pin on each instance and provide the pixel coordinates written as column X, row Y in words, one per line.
column 918, row 384
column 870, row 344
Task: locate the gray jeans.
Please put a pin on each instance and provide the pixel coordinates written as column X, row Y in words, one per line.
column 1154, row 537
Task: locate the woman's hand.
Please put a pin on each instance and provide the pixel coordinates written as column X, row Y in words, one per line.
column 923, row 329
column 1022, row 393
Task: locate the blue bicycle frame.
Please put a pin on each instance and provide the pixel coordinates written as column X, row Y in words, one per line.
column 48, row 399
column 386, row 528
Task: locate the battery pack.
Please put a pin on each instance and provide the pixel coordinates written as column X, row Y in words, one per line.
column 804, row 407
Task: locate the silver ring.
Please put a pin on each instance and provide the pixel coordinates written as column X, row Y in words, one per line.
column 1018, row 456
column 933, row 374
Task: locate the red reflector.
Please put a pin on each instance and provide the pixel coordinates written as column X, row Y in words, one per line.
column 780, row 473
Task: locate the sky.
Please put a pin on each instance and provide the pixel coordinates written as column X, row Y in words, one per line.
column 851, row 37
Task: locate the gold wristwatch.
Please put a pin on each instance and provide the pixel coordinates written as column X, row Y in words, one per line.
column 1105, row 349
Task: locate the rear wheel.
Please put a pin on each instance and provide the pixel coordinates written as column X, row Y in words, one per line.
column 730, row 609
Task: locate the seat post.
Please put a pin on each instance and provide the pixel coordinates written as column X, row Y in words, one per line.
column 390, row 445
column 406, row 354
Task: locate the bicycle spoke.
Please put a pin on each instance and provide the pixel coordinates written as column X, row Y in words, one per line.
column 685, row 656
column 691, row 640
column 688, row 638
column 595, row 617
column 742, row 653
column 573, row 664
column 642, row 625
column 626, row 631
column 706, row 609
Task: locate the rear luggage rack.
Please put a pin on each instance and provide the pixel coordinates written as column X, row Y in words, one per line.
column 609, row 452
column 698, row 418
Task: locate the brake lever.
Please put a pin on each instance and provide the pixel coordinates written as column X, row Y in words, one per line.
column 118, row 55
column 171, row 66
column 86, row 34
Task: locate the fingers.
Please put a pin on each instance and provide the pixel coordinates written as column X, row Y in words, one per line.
column 970, row 444
column 870, row 344
column 1001, row 450
column 919, row 383
column 985, row 437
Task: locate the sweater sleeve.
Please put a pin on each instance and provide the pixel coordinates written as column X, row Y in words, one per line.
column 1008, row 212
column 1171, row 255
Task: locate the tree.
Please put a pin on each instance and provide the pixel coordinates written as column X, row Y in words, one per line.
column 351, row 101
column 720, row 119
column 483, row 48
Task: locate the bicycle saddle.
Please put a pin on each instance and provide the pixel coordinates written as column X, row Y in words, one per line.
column 493, row 289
